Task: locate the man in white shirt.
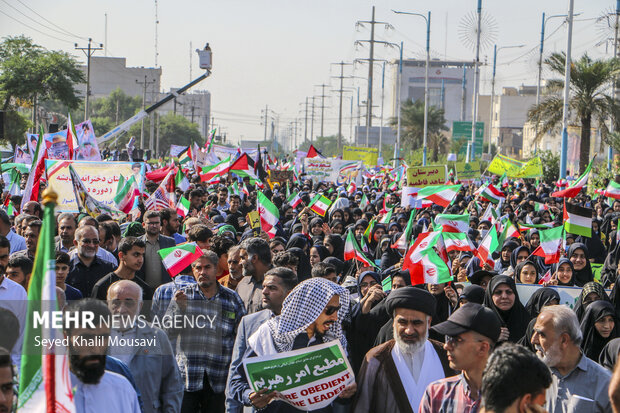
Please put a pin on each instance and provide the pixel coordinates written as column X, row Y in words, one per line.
column 18, row 243
column 96, row 389
column 13, row 297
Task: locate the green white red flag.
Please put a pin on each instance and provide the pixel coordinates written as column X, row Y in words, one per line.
column 550, row 244
column 294, row 199
column 44, row 380
column 269, row 215
column 320, row 204
column 492, row 194
column 183, row 206
column 457, row 241
column 439, row 194
column 488, row 246
column 181, row 181
column 179, row 257
column 214, row 171
column 612, row 190
column 452, row 223
column 431, row 269
column 352, row 251
column 126, row 197
column 573, row 190
column 403, row 242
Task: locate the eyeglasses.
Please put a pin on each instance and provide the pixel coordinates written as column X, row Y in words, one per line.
column 331, row 310
column 456, row 340
column 90, row 241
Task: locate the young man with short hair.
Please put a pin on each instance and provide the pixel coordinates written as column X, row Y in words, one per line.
column 63, row 265
column 19, row 270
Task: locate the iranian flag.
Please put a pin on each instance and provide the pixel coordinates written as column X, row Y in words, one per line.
column 125, row 198
column 363, row 202
column 209, row 142
column 452, row 223
column 492, row 194
column 550, row 244
column 439, row 194
column 352, row 251
column 351, row 188
column 44, row 382
column 457, row 241
column 612, row 191
column 573, row 190
column 508, row 231
column 320, row 204
column 212, row 171
column 489, row 214
column 177, row 258
column 431, row 269
column 503, row 180
column 369, row 229
column 183, row 206
column 578, row 220
column 541, row 207
column 423, row 242
column 72, row 142
column 294, row 200
column 385, row 219
column 403, row 241
column 269, row 215
column 546, row 278
column 488, row 246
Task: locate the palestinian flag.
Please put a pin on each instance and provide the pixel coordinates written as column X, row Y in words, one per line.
column 269, row 215
column 487, row 247
column 457, row 241
column 183, row 206
column 439, row 194
column 320, row 204
column 573, row 190
column 352, row 251
column 180, row 180
column 431, row 269
column 578, row 220
column 243, row 167
column 550, row 244
column 212, row 171
column 313, row 153
column 492, row 194
column 179, row 257
column 126, row 197
column 452, row 223
column 612, row 191
column 185, row 157
column 294, row 199
column 44, row 380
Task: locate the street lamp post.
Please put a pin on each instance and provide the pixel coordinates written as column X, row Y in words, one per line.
column 540, row 55
column 492, row 105
column 565, row 109
column 426, row 85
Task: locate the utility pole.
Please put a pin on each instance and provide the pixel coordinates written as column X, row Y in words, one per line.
column 312, row 122
column 474, row 117
column 322, row 96
column 266, row 114
column 144, row 84
column 610, row 151
column 565, row 109
column 88, row 51
column 340, row 91
column 371, row 60
column 305, row 123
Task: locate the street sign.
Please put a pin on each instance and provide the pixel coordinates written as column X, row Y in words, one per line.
column 461, row 132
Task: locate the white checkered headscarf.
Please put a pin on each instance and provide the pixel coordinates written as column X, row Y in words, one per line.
column 302, row 307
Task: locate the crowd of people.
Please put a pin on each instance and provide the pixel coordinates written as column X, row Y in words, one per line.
column 463, row 346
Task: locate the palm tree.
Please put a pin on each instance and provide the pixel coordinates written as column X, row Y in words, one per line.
column 412, row 123
column 588, row 81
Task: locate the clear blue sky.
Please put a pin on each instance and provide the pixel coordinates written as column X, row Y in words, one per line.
column 274, row 52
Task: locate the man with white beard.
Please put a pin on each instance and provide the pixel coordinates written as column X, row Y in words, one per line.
column 395, row 374
column 579, row 384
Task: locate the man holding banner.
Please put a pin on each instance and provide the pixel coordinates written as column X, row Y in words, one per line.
column 279, row 371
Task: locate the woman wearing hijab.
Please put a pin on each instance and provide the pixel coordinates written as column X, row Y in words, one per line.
column 317, row 254
column 541, row 298
column 563, row 273
column 377, row 233
column 335, row 245
column 590, row 293
column 298, row 240
column 598, row 327
column 519, row 254
column 580, row 257
column 338, row 264
column 303, row 266
column 316, row 226
column 335, row 214
column 503, row 262
column 391, row 256
column 609, row 272
column 596, row 248
column 337, row 226
column 502, row 297
column 394, row 228
column 526, row 272
column 609, row 354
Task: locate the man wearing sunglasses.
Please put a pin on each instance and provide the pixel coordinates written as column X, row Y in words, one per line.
column 471, row 333
column 394, row 375
column 311, row 314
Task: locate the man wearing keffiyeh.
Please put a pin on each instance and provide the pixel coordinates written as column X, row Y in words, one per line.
column 311, row 314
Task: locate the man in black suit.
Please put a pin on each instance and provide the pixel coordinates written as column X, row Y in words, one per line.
column 153, row 271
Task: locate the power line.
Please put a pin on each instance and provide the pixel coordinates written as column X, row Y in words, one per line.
column 37, row 22
column 50, row 22
column 36, row 30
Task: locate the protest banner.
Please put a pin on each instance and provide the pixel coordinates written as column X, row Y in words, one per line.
column 333, row 170
column 531, row 169
column 99, row 178
column 56, row 144
column 421, row 176
column 308, row 379
column 368, row 156
column 224, row 151
column 515, row 169
column 281, row 176
column 568, row 295
column 31, row 139
column 88, row 149
column 467, row 172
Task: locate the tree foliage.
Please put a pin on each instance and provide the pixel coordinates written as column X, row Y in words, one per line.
column 327, row 145
column 588, row 102
column 27, row 70
column 551, row 165
column 412, row 125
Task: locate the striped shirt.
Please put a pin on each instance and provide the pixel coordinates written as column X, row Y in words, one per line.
column 451, row 394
